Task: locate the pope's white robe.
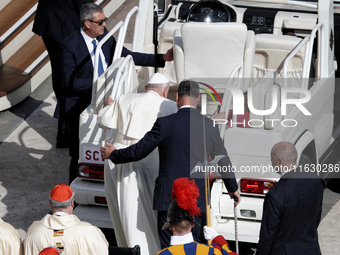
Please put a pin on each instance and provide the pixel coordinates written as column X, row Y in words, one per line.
column 10, row 243
column 67, row 233
column 129, row 187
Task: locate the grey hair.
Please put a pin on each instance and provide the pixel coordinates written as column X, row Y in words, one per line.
column 61, row 204
column 162, row 86
column 285, row 151
column 87, row 11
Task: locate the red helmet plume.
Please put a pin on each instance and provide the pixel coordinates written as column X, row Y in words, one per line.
column 186, row 192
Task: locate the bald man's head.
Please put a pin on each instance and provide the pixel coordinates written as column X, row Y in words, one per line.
column 284, row 156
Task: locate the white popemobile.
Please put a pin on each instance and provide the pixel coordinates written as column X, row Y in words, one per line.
column 271, row 62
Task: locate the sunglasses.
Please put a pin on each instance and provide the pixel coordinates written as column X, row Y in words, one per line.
column 99, row 22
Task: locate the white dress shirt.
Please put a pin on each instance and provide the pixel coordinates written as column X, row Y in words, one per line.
column 90, row 47
column 187, row 106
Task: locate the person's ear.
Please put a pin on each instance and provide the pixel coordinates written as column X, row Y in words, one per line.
column 166, row 92
column 87, row 24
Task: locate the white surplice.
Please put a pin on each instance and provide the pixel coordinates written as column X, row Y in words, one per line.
column 10, row 243
column 67, row 233
column 129, row 187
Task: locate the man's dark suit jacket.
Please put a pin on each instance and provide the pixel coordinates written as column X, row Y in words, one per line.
column 291, row 215
column 54, row 21
column 57, row 19
column 77, row 73
column 179, row 138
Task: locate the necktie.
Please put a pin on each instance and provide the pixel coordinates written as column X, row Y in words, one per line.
column 100, row 65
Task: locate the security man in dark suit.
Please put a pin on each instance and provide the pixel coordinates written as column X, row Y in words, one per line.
column 54, row 21
column 76, row 61
column 179, row 138
column 292, row 208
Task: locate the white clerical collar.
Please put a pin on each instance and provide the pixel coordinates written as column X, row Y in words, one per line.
column 187, row 106
column 60, row 213
column 175, row 240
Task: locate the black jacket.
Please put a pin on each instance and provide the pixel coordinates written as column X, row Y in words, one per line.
column 179, row 138
column 57, row 19
column 291, row 215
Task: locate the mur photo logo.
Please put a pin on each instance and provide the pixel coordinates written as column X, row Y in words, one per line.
column 209, row 93
column 280, row 101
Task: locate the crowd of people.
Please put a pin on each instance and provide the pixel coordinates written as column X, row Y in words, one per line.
column 152, row 199
column 61, row 232
column 58, row 233
column 292, row 212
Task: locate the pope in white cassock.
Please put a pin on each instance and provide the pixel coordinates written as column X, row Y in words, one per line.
column 10, row 243
column 129, row 187
column 63, row 230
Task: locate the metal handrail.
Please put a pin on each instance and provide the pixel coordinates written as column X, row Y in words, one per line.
column 122, row 27
column 136, row 27
column 309, row 42
column 100, row 44
column 122, row 74
column 292, row 54
column 96, row 57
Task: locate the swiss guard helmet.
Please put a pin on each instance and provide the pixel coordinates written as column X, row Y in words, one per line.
column 184, row 202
